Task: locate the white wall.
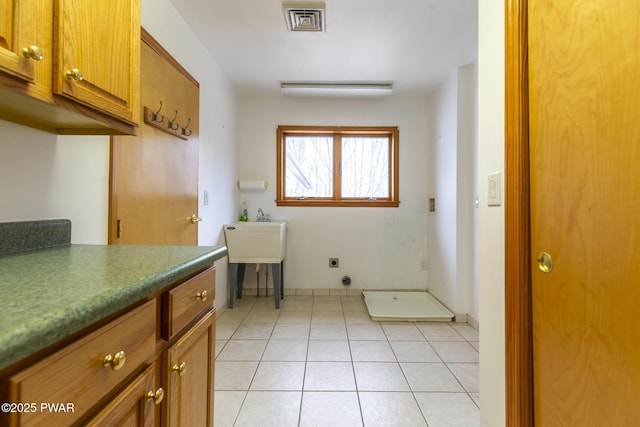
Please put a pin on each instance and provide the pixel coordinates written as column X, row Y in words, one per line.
column 380, row 248
column 452, row 183
column 491, row 219
column 45, row 176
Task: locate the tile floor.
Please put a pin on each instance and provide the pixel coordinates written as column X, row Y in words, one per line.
column 321, row 361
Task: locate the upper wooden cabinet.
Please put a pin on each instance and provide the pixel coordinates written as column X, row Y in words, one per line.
column 19, row 50
column 88, row 76
column 97, row 48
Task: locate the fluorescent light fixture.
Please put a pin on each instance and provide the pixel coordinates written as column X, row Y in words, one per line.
column 354, row 90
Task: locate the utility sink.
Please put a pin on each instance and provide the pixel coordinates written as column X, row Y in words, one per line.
column 256, row 242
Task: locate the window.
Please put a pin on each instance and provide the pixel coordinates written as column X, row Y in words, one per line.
column 337, row 166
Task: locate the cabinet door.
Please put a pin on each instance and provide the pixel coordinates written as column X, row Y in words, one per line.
column 18, row 23
column 97, row 49
column 133, row 406
column 188, row 372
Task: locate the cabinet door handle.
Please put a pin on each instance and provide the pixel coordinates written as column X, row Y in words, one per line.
column 156, row 396
column 202, row 296
column 180, row 369
column 74, row 74
column 32, row 52
column 116, row 361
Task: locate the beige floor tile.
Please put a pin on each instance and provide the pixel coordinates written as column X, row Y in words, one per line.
column 224, row 331
column 402, row 332
column 243, row 350
column 358, row 317
column 448, row 409
column 357, row 306
column 379, row 376
column 329, row 351
column 330, row 409
column 219, row 346
column 269, row 408
column 327, row 317
column 227, row 405
column 430, row 377
column 414, row 351
column 286, row 351
column 327, row 306
column 456, row 351
column 468, row 374
column 328, row 332
column 390, row 409
column 282, row 376
column 329, row 376
column 290, row 331
column 295, row 317
column 253, row 331
column 476, row 398
column 467, row 332
column 262, row 317
column 231, row 316
column 371, row 351
column 475, row 344
column 298, row 305
column 244, row 304
column 439, row 332
column 234, row 375
column 365, row 332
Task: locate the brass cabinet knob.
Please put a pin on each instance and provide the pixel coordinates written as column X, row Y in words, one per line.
column 156, row 396
column 75, row 74
column 32, row 52
column 116, row 361
column 202, row 296
column 194, row 219
column 180, row 369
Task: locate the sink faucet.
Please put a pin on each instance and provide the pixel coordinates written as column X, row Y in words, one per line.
column 262, row 217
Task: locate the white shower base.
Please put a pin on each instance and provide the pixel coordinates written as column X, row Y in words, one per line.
column 405, row 306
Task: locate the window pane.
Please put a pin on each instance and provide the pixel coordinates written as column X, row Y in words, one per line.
column 365, row 167
column 309, row 166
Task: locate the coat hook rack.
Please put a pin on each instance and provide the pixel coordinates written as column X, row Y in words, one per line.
column 155, row 119
column 186, row 132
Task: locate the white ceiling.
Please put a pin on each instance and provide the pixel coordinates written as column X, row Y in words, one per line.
column 413, row 44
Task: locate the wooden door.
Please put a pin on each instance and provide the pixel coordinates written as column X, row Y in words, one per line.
column 154, row 175
column 97, row 48
column 584, row 65
column 189, row 374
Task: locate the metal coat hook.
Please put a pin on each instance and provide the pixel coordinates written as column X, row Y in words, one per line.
column 170, row 125
column 154, row 116
column 184, row 129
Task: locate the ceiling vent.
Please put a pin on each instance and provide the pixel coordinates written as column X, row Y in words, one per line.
column 304, row 16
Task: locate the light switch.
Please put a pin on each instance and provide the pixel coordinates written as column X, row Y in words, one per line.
column 205, row 197
column 493, row 192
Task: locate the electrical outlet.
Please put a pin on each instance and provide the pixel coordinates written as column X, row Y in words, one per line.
column 334, row 262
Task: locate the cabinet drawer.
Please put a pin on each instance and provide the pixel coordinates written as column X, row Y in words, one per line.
column 185, row 302
column 77, row 376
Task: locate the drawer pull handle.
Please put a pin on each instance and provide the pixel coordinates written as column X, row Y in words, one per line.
column 180, row 369
column 32, row 52
column 116, row 361
column 202, row 296
column 74, row 74
column 157, row 396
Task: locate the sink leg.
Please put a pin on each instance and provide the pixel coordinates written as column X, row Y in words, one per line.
column 277, row 283
column 232, row 282
column 241, row 268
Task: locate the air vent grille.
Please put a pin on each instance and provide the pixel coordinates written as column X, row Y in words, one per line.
column 304, row 17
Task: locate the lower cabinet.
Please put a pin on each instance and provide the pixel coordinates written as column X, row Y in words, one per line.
column 188, row 371
column 124, row 373
column 134, row 406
